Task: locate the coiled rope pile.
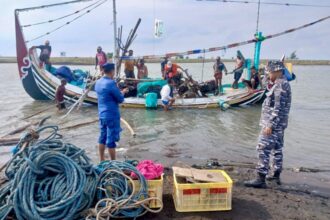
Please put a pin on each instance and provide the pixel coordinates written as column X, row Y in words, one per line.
column 48, row 179
column 117, row 194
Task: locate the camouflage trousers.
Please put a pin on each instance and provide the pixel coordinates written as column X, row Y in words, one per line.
column 267, row 145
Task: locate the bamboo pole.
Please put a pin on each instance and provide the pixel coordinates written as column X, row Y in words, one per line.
column 79, row 125
column 128, row 126
column 37, row 113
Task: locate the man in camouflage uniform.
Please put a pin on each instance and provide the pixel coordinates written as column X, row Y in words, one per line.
column 274, row 120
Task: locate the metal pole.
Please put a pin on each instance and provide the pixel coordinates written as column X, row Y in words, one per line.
column 258, row 14
column 115, row 50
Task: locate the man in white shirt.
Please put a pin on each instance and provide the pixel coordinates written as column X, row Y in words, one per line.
column 167, row 94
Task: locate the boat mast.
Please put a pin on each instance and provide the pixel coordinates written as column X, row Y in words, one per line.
column 259, row 39
column 115, row 49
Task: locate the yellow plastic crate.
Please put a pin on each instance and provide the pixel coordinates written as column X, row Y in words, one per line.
column 199, row 197
column 155, row 189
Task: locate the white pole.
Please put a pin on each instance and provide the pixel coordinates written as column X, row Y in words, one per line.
column 115, row 51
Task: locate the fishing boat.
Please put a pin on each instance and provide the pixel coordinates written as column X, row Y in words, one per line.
column 41, row 84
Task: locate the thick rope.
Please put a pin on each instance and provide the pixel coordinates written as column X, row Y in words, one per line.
column 48, row 179
column 116, row 193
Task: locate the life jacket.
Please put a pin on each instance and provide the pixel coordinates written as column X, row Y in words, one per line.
column 171, row 71
column 101, row 58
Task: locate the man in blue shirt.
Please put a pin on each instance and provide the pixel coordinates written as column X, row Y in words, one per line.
column 109, row 97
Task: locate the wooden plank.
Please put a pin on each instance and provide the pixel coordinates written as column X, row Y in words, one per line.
column 207, row 176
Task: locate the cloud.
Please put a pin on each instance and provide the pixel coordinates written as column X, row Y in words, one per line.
column 189, row 25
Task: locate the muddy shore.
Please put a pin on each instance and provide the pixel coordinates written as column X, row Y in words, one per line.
column 303, row 195
column 288, row 201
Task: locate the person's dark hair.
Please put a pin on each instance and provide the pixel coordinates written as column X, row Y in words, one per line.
column 63, row 81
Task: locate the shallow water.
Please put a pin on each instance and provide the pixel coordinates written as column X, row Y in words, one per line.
column 195, row 135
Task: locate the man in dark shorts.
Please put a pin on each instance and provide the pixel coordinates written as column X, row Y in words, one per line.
column 59, row 95
column 109, row 97
column 238, row 71
column 44, row 56
column 254, row 82
column 218, row 67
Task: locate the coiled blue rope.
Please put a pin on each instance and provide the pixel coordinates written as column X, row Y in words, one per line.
column 115, row 195
column 49, row 179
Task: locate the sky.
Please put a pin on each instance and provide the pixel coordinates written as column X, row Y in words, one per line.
column 188, row 25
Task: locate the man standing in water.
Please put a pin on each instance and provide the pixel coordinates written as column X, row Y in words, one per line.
column 218, row 67
column 109, row 96
column 59, row 95
column 274, row 120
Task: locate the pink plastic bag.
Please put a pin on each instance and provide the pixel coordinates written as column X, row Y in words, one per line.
column 149, row 169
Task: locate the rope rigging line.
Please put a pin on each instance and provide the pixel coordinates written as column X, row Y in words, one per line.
column 51, row 5
column 213, row 49
column 67, row 23
column 62, row 17
column 269, row 3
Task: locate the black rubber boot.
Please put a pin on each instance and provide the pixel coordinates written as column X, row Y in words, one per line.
column 276, row 178
column 259, row 182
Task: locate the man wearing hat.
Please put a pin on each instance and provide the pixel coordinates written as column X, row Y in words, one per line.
column 274, row 120
column 109, row 97
column 100, row 58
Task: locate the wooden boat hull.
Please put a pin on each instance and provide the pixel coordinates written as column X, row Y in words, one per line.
column 47, row 83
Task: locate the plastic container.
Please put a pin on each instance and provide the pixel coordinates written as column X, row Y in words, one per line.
column 151, row 100
column 200, row 197
column 155, row 189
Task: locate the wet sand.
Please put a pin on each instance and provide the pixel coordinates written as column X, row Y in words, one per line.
column 288, row 201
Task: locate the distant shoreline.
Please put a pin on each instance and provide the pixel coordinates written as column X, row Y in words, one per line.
column 91, row 61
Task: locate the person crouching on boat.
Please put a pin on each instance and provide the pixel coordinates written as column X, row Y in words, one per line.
column 44, row 56
column 171, row 71
column 109, row 97
column 218, row 67
column 142, row 69
column 274, row 120
column 238, row 71
column 167, row 94
column 59, row 95
column 100, row 59
column 254, row 82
